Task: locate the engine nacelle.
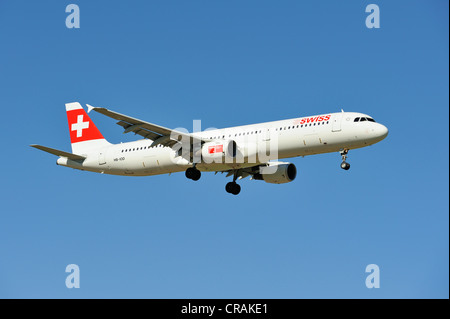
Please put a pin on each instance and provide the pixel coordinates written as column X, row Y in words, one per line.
column 277, row 173
column 219, row 151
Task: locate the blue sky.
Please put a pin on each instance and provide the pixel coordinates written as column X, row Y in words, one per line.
column 226, row 63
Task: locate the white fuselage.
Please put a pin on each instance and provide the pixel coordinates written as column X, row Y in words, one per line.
column 291, row 138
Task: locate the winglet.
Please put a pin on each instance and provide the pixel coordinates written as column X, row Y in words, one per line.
column 90, row 108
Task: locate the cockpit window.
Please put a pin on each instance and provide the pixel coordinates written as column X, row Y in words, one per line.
column 362, row 119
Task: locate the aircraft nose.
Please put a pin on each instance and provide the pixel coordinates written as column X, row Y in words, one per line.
column 382, row 131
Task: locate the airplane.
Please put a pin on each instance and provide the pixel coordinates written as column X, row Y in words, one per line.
column 241, row 151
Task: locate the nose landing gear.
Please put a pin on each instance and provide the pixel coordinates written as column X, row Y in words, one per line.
column 344, row 164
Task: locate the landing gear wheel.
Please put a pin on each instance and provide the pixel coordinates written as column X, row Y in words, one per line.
column 193, row 173
column 189, row 172
column 345, row 165
column 197, row 175
column 233, row 188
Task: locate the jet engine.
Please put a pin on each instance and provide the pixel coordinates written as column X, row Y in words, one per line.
column 276, row 173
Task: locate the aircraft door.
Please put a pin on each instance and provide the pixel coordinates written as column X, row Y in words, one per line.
column 264, row 148
column 101, row 158
column 337, row 120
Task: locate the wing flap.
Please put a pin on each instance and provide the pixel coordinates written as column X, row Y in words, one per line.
column 142, row 132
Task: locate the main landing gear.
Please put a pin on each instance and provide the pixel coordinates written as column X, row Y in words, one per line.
column 344, row 164
column 233, row 187
column 193, row 173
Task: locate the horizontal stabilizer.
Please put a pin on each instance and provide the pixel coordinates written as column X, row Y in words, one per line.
column 59, row 153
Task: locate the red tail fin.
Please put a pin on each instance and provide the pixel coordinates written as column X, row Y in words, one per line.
column 84, row 135
column 81, row 126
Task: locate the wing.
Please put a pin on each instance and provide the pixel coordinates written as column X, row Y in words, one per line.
column 158, row 134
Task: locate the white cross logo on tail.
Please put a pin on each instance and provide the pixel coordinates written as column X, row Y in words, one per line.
column 79, row 126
